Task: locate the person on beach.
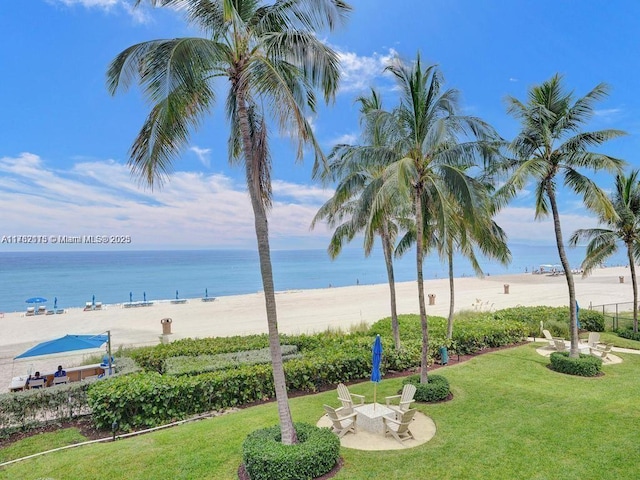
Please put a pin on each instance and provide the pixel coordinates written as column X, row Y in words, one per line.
column 60, row 372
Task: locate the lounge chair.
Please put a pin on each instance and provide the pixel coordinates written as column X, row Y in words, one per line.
column 593, row 340
column 30, row 311
column 60, row 380
column 399, row 428
column 88, row 306
column 601, row 350
column 404, row 399
column 348, row 399
column 98, row 306
column 42, row 310
column 341, row 424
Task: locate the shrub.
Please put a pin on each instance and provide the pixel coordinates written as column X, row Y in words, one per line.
column 629, row 334
column 436, row 390
column 266, row 458
column 584, row 366
column 555, row 319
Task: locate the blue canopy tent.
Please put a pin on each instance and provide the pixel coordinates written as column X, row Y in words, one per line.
column 70, row 343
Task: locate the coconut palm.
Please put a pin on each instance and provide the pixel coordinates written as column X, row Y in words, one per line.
column 358, row 170
column 272, row 58
column 434, row 164
column 551, row 145
column 625, row 227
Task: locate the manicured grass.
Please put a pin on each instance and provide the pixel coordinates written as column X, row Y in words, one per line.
column 511, row 417
column 41, row 443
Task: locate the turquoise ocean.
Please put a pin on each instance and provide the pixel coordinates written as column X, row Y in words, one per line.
column 74, row 278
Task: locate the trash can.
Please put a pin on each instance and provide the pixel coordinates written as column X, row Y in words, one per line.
column 621, row 279
column 166, row 326
column 444, row 356
column 432, row 299
column 506, row 288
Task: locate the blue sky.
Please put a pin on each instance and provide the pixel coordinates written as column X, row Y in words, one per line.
column 64, row 140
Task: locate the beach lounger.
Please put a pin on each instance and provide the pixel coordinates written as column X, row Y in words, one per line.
column 208, row 299
column 179, row 301
column 88, row 306
column 98, row 306
column 42, row 310
column 30, row 311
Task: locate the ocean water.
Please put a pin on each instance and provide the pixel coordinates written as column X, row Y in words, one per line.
column 112, row 276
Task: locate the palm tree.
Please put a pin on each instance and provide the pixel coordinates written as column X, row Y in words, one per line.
column 433, row 166
column 358, row 170
column 551, row 144
column 625, row 227
column 273, row 60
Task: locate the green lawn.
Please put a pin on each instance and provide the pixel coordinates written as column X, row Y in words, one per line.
column 511, row 418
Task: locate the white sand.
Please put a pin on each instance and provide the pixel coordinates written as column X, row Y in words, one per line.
column 301, row 311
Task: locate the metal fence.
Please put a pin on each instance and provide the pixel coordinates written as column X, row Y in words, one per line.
column 615, row 314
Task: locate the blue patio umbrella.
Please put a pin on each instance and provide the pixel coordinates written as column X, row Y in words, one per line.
column 206, row 293
column 144, row 296
column 35, row 300
column 93, row 300
column 55, row 303
column 375, row 369
column 68, row 343
column 176, row 294
column 578, row 314
column 130, row 297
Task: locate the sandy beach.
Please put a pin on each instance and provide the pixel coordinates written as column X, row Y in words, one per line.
column 299, row 311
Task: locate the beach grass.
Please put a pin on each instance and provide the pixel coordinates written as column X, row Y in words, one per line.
column 511, row 417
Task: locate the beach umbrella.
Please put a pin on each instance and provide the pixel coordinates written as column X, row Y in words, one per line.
column 35, row 300
column 206, row 293
column 176, row 294
column 144, row 296
column 93, row 300
column 55, row 303
column 375, row 369
column 130, row 297
column 578, row 314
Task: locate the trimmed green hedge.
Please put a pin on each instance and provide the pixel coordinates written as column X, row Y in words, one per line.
column 266, row 458
column 584, row 366
column 436, row 390
column 629, row 334
column 555, row 319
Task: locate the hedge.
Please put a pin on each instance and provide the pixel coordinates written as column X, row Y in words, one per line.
column 584, row 366
column 265, row 457
column 436, row 390
column 555, row 319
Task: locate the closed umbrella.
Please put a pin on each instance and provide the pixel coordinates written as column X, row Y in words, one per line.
column 130, row 297
column 176, row 294
column 93, row 301
column 375, row 369
column 206, row 293
column 144, row 296
column 55, row 303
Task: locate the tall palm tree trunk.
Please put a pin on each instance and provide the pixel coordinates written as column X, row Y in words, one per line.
column 452, row 293
column 634, row 283
column 287, row 429
column 423, row 310
column 573, row 317
column 388, row 259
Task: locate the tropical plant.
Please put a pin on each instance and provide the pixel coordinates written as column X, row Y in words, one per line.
column 624, row 227
column 433, row 165
column 273, row 59
column 550, row 144
column 359, row 169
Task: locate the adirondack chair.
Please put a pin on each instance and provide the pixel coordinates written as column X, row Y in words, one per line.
column 405, row 399
column 559, row 344
column 399, row 428
column 601, row 350
column 593, row 340
column 348, row 399
column 549, row 338
column 341, row 424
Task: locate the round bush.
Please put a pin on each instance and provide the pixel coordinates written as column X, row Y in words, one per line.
column 435, row 391
column 266, row 458
column 584, row 366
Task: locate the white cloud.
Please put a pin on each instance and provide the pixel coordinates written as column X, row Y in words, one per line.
column 191, row 210
column 347, row 139
column 202, row 154
column 512, row 79
column 358, row 73
column 138, row 14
